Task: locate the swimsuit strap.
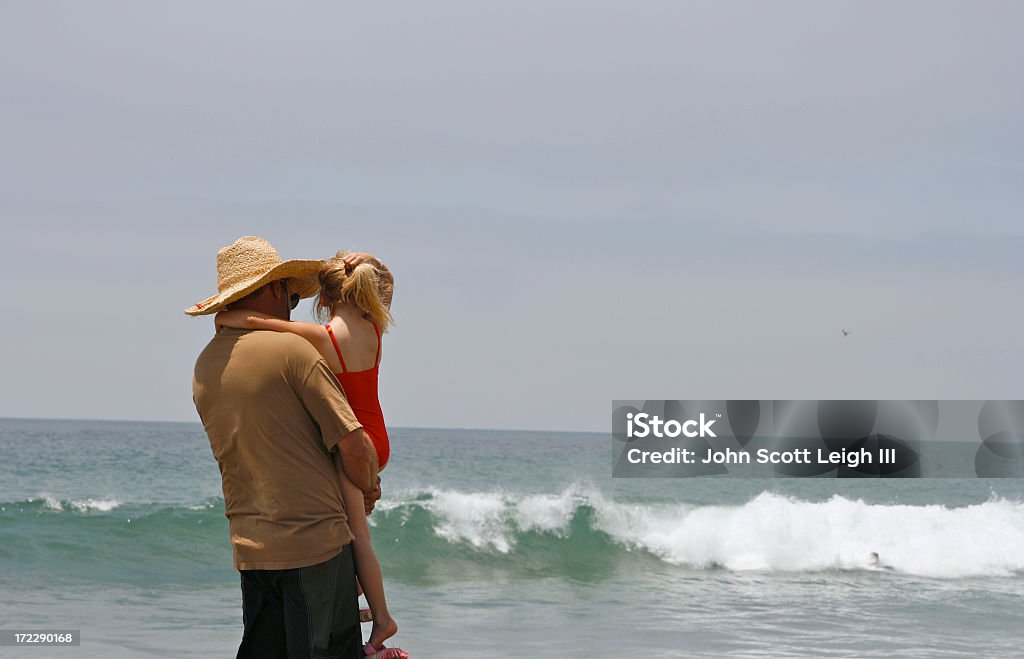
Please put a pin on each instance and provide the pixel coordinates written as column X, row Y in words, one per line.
column 338, row 350
column 377, row 330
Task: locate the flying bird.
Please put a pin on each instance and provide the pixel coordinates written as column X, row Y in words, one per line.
column 845, row 333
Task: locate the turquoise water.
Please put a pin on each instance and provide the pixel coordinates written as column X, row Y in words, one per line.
column 518, row 544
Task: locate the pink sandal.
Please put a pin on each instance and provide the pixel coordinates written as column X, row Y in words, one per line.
column 384, row 653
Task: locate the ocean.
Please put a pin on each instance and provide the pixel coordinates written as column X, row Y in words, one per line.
column 518, row 544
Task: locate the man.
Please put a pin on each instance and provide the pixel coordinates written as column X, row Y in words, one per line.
column 282, row 431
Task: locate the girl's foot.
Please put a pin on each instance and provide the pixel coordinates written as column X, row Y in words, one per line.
column 384, row 653
column 383, row 629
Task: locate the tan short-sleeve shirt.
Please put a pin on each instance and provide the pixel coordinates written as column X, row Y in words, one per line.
column 274, row 412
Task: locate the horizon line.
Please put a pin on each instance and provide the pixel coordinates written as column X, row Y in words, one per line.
column 397, row 427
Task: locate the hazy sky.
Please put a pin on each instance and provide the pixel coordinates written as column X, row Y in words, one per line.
column 581, row 201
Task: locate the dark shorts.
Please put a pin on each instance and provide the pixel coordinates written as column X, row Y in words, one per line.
column 309, row 612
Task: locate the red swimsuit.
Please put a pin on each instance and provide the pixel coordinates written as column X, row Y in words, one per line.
column 361, row 389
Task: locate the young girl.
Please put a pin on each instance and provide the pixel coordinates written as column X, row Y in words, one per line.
column 355, row 300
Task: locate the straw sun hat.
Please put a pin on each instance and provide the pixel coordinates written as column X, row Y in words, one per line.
column 251, row 262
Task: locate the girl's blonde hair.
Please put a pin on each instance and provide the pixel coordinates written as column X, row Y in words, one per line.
column 368, row 286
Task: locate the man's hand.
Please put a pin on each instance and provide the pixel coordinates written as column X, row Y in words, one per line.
column 370, row 500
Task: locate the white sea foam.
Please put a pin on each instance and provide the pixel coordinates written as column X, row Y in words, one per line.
column 97, row 505
column 770, row 532
column 478, row 519
column 51, row 502
column 493, row 520
column 549, row 513
column 79, row 505
column 773, row 532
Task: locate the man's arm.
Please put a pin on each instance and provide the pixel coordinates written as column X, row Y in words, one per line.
column 357, row 460
column 343, row 437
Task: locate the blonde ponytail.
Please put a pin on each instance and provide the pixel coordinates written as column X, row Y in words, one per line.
column 365, row 286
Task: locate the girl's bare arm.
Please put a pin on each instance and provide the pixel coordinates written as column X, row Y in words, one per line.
column 244, row 319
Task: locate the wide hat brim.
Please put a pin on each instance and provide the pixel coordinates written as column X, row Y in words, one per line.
column 302, row 276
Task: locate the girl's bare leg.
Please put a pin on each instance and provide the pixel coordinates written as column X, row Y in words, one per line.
column 367, row 566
